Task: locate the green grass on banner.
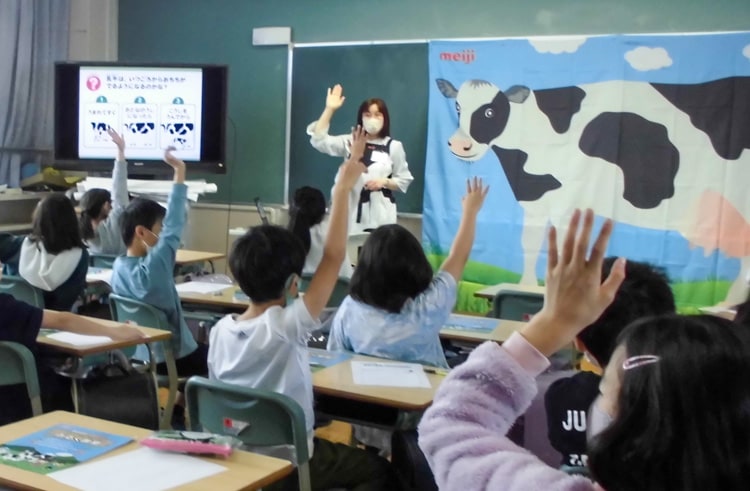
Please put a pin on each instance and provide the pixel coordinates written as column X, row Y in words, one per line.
column 689, row 296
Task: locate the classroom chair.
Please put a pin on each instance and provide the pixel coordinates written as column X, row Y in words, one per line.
column 102, row 260
column 17, row 366
column 22, row 291
column 271, row 419
column 516, row 306
column 130, row 310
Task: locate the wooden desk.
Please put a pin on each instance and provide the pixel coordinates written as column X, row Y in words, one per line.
column 244, row 470
column 152, row 336
column 500, row 334
column 337, row 381
column 491, row 291
column 224, row 300
column 185, row 256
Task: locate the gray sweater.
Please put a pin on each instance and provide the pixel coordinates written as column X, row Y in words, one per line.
column 107, row 236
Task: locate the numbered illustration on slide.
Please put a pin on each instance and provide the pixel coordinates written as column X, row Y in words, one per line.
column 153, row 108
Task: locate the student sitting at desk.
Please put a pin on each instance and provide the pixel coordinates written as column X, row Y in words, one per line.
column 307, row 220
column 396, row 307
column 20, row 323
column 53, row 257
column 266, row 346
column 644, row 292
column 99, row 220
column 145, row 273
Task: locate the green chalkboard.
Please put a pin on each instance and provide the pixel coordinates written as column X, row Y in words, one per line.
column 397, row 73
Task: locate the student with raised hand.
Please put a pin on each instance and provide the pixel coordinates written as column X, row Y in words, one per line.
column 266, row 346
column 99, row 220
column 372, row 200
column 396, row 307
column 307, row 220
column 20, row 323
column 672, row 410
column 644, row 292
column 146, row 273
column 53, row 257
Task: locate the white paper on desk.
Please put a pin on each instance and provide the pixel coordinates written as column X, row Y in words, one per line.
column 389, row 374
column 104, row 275
column 143, row 469
column 718, row 310
column 200, row 287
column 80, row 340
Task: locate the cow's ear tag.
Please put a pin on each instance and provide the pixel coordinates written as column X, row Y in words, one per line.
column 517, row 93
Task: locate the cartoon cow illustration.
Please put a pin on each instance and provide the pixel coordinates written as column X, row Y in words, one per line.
column 653, row 155
column 180, row 134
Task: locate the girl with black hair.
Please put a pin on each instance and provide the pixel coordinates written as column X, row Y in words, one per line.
column 372, row 202
column 674, row 406
column 307, row 221
column 99, row 221
column 396, row 307
column 53, row 257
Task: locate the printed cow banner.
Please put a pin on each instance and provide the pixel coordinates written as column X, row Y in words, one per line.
column 652, row 131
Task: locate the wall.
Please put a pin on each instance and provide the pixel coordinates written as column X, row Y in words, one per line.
column 213, row 31
column 205, row 31
column 93, row 30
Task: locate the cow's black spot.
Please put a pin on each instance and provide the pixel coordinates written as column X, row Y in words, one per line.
column 559, row 105
column 720, row 108
column 525, row 186
column 488, row 120
column 641, row 148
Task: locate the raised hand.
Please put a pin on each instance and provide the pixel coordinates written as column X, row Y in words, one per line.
column 334, row 99
column 475, row 193
column 177, row 164
column 119, row 141
column 575, row 296
column 357, row 147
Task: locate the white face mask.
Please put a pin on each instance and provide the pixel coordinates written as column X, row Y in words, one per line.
column 148, row 247
column 597, row 421
column 372, row 125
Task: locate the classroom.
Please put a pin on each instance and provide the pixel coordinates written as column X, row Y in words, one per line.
column 558, row 297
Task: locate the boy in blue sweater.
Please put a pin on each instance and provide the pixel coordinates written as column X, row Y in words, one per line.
column 145, row 273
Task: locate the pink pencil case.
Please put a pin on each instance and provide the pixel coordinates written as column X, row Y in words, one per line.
column 191, row 442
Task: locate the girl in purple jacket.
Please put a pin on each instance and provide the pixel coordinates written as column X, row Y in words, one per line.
column 674, row 405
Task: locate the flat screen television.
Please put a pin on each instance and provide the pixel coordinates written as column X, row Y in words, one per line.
column 153, row 105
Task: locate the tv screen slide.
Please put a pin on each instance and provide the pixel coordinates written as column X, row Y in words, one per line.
column 153, row 107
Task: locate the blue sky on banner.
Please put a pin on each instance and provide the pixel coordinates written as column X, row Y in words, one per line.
column 528, row 61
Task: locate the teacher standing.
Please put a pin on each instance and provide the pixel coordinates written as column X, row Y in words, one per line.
column 372, row 202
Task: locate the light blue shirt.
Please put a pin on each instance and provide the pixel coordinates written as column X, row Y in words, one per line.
column 150, row 278
column 412, row 335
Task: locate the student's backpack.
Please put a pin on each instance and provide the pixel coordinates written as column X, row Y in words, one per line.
column 118, row 392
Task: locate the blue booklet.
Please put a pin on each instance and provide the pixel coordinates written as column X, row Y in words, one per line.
column 58, row 447
column 324, row 358
column 463, row 323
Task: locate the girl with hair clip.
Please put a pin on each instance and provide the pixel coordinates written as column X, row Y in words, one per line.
column 99, row 221
column 53, row 257
column 372, row 202
column 307, row 221
column 672, row 413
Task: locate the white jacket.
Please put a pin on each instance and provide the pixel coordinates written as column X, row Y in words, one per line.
column 44, row 270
